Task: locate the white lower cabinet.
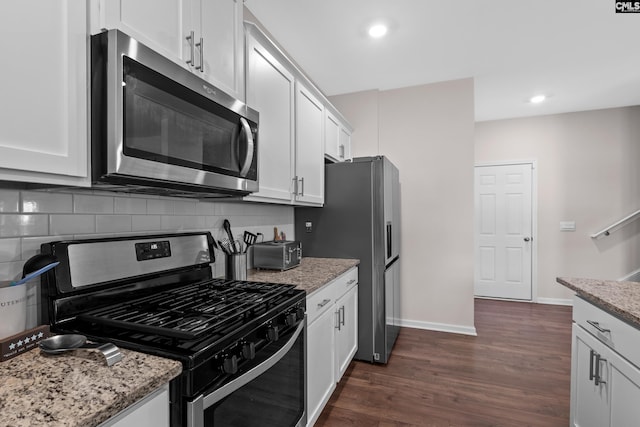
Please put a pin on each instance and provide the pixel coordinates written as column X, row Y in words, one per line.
column 332, row 313
column 605, row 377
column 151, row 411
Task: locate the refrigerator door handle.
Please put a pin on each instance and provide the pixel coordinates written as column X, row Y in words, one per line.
column 389, row 241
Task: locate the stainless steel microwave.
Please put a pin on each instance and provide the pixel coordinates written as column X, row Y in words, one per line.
column 158, row 128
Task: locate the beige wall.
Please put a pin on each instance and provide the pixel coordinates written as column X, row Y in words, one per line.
column 427, row 131
column 588, row 172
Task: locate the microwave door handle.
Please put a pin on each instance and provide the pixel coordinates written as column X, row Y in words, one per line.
column 246, row 129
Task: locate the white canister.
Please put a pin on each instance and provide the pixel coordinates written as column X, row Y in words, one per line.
column 13, row 309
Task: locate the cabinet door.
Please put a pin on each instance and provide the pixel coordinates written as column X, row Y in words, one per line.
column 270, row 90
column 220, row 23
column 347, row 331
column 344, row 144
column 589, row 402
column 320, row 364
column 331, row 136
column 151, row 411
column 44, row 87
column 624, row 386
column 309, row 147
column 162, row 25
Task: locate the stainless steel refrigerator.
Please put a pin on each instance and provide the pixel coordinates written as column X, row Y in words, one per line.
column 361, row 219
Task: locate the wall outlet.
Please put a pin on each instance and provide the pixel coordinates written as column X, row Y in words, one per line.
column 308, row 226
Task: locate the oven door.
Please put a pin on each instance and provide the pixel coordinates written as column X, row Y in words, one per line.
column 272, row 394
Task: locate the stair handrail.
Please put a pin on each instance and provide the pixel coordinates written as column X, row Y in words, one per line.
column 616, row 225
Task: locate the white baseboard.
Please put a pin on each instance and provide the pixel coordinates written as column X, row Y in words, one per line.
column 555, row 301
column 440, row 327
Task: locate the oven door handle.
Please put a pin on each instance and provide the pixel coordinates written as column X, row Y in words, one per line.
column 195, row 409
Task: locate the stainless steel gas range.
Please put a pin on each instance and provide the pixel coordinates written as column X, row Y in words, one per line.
column 242, row 344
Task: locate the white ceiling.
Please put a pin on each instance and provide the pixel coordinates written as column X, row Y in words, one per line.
column 580, row 53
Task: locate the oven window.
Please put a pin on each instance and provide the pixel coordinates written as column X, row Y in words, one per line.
column 166, row 122
column 274, row 399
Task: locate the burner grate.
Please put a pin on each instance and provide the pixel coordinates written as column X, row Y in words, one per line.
column 191, row 311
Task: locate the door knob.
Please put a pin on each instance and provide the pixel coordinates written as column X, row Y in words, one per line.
column 526, row 239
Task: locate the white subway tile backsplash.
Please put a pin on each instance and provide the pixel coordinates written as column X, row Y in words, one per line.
column 113, row 223
column 9, row 201
column 146, row 223
column 46, row 202
column 72, row 224
column 184, row 207
column 159, row 206
column 91, row 204
column 10, row 250
column 23, row 225
column 130, row 205
column 30, row 218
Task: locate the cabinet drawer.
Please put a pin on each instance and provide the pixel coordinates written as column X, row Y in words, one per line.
column 326, row 296
column 617, row 334
column 318, row 302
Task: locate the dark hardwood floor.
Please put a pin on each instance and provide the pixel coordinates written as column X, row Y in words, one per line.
column 516, row 372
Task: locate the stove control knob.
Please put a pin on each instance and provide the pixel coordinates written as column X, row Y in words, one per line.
column 291, row 319
column 230, row 364
column 300, row 313
column 273, row 333
column 249, row 350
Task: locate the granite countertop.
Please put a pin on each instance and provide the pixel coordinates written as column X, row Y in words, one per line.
column 310, row 275
column 619, row 298
column 76, row 388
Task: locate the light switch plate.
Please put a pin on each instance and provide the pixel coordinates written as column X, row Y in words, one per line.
column 567, row 226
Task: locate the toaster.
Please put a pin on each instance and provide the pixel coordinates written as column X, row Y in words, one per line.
column 277, row 254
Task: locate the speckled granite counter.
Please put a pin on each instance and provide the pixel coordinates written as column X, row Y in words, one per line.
column 619, row 298
column 310, row 275
column 76, row 388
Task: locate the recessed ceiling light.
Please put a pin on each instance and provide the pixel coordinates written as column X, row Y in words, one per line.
column 378, row 30
column 537, row 99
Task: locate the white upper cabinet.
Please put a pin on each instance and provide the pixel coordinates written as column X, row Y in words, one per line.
column 43, row 111
column 159, row 24
column 309, row 176
column 219, row 40
column 337, row 140
column 205, row 36
column 270, row 91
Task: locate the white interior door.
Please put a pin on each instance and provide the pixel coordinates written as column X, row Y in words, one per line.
column 503, row 231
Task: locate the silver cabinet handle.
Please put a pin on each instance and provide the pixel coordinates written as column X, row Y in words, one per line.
column 302, row 186
column 192, row 48
column 341, row 148
column 337, row 313
column 341, row 317
column 592, row 354
column 526, row 239
column 201, row 47
column 295, row 185
column 323, row 303
column 598, row 327
column 351, row 281
column 597, row 380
